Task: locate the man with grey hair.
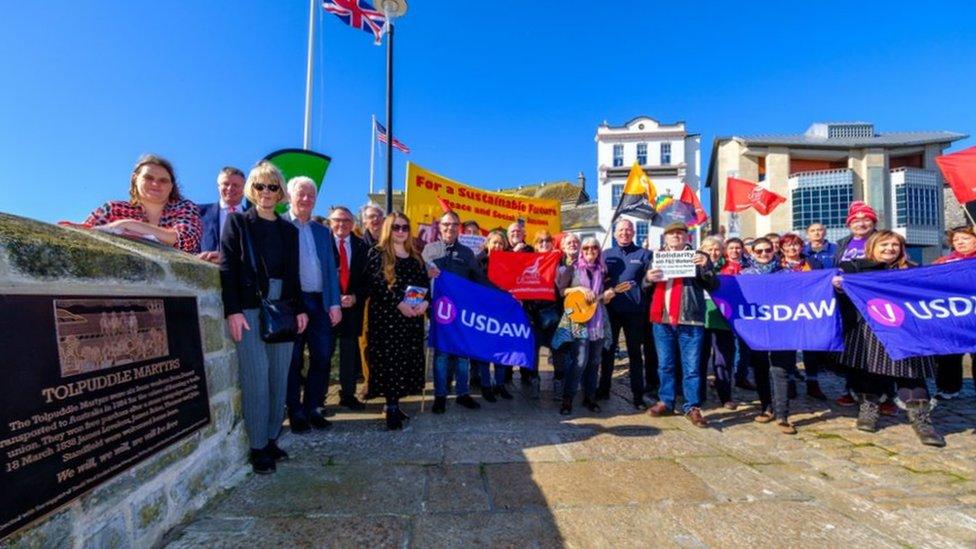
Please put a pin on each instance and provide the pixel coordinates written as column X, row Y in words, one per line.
column 628, row 263
column 371, row 216
column 320, row 295
column 230, row 186
column 447, row 254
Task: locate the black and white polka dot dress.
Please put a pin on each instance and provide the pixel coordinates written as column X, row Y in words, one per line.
column 395, row 349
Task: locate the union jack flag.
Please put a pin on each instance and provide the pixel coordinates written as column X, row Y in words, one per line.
column 359, row 14
column 397, row 144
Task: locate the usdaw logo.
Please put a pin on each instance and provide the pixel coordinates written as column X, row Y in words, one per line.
column 445, row 311
column 885, row 312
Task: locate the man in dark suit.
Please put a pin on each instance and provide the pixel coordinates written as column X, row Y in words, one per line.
column 230, row 185
column 320, row 297
column 350, row 256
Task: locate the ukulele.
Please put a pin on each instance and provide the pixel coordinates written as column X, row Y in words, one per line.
column 581, row 310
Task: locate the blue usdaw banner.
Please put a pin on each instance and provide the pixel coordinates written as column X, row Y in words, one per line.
column 919, row 312
column 782, row 311
column 475, row 321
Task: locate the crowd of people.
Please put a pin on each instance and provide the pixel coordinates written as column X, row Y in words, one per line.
column 346, row 278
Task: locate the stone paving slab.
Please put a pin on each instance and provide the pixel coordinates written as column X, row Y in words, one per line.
column 517, row 474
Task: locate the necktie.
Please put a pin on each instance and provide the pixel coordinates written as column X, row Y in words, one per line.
column 232, row 209
column 343, row 266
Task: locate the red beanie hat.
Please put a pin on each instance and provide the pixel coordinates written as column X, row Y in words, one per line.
column 858, row 208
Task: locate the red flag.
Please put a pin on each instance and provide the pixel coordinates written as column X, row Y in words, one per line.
column 525, row 275
column 445, row 207
column 741, row 195
column 959, row 169
column 689, row 196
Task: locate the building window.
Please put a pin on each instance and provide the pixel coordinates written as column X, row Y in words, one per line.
column 822, row 197
column 642, row 154
column 641, row 235
column 916, row 205
column 618, row 156
column 665, row 154
column 617, row 190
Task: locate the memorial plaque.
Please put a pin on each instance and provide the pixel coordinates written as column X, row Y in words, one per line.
column 93, row 385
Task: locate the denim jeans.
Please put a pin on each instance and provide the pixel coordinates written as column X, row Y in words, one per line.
column 584, row 369
column 687, row 339
column 442, row 363
column 484, row 371
column 741, row 362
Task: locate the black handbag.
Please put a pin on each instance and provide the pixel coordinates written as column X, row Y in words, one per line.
column 277, row 316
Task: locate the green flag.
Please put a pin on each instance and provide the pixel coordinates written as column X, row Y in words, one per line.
column 296, row 162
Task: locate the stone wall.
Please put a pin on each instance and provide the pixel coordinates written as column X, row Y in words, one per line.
column 137, row 507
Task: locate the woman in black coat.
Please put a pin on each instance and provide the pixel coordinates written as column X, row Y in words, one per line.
column 263, row 367
column 871, row 369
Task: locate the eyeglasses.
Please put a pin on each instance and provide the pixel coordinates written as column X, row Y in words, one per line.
column 273, row 187
column 545, row 241
column 597, row 248
column 400, row 228
column 340, row 220
column 453, row 224
column 763, row 251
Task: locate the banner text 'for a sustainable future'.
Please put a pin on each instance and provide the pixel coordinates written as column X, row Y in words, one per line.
column 426, row 190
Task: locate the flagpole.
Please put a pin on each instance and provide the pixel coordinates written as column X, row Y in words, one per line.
column 372, row 149
column 389, row 117
column 307, row 133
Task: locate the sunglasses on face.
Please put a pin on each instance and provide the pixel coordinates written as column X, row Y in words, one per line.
column 545, row 241
column 597, row 248
column 763, row 251
column 260, row 187
column 400, row 228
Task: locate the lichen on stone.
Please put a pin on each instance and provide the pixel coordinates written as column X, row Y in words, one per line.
column 47, row 251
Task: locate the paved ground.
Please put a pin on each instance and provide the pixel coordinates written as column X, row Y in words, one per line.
column 518, row 474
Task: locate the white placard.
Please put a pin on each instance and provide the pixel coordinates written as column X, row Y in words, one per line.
column 473, row 241
column 675, row 264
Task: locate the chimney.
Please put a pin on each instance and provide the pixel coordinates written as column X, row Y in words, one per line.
column 581, row 179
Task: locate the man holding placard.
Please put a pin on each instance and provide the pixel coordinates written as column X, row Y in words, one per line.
column 678, row 319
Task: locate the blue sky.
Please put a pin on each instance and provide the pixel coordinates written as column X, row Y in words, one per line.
column 490, row 93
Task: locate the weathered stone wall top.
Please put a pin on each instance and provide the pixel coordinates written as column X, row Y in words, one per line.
column 35, row 253
column 141, row 504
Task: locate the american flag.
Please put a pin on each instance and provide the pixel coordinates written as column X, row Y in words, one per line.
column 397, row 144
column 358, row 13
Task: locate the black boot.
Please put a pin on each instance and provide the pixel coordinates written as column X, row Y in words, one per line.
column 261, row 462
column 567, row 407
column 393, row 419
column 867, row 414
column 591, row 405
column 501, row 391
column 440, row 405
column 467, row 402
column 488, row 394
column 920, row 416
column 813, row 390
column 274, row 452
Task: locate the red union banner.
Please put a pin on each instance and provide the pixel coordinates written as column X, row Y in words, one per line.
column 525, row 275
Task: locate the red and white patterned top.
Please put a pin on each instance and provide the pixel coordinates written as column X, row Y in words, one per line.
column 184, row 216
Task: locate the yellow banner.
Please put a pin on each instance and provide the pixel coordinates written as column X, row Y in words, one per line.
column 426, row 190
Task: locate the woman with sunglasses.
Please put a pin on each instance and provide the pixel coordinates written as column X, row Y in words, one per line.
column 771, row 368
column 948, row 372
column 396, row 318
column 588, row 275
column 259, row 257
column 872, row 371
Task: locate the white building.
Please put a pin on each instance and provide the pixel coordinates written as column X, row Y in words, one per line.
column 669, row 155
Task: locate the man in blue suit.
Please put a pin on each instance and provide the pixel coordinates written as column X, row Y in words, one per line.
column 320, row 295
column 230, row 185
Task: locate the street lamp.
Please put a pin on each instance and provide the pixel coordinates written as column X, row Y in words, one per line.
column 391, row 10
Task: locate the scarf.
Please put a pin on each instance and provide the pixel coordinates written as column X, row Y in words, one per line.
column 591, row 276
column 955, row 256
column 762, row 268
column 798, row 266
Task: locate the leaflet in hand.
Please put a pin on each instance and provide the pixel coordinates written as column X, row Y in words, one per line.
column 414, row 295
